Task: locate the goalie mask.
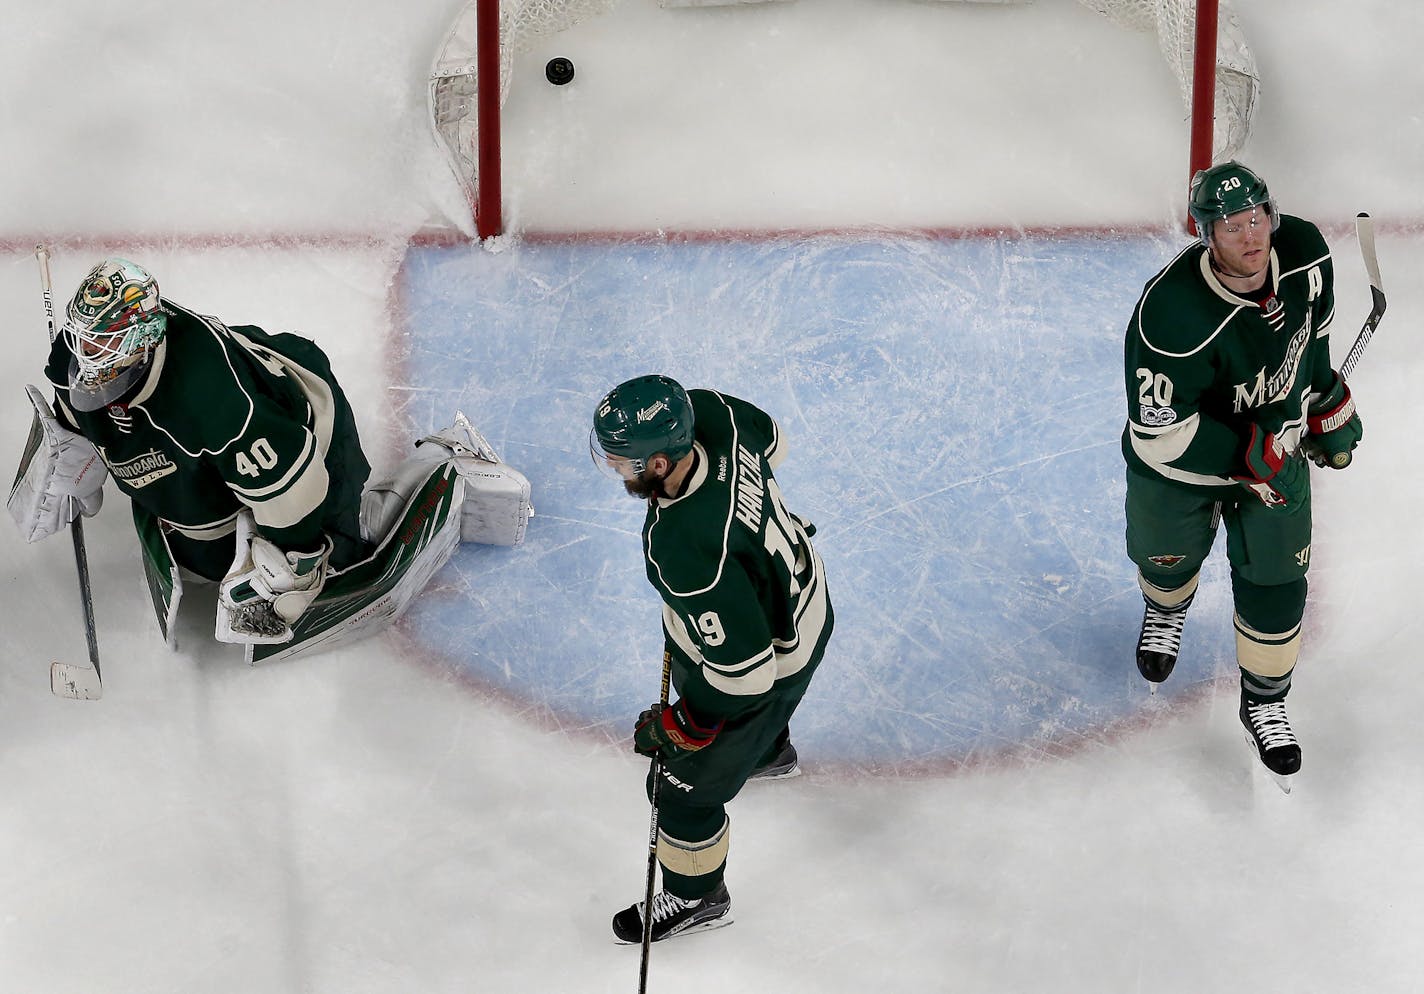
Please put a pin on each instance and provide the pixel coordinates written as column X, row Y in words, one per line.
column 638, row 420
column 1226, row 189
column 112, row 325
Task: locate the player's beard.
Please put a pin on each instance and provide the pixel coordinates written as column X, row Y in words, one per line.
column 646, row 486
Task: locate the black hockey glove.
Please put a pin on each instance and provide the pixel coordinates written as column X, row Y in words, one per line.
column 1335, row 428
column 671, row 731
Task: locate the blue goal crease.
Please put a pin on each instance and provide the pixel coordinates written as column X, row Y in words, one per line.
column 952, row 409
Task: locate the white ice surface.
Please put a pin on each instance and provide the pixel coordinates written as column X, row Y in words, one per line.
column 361, row 823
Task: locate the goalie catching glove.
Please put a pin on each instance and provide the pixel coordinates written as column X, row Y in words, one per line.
column 1335, row 428
column 59, row 470
column 267, row 589
column 671, row 731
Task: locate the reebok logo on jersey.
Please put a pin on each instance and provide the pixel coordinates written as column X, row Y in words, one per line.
column 651, row 411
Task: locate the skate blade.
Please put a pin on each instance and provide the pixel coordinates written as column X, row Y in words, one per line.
column 706, row 926
column 1283, row 781
column 795, row 771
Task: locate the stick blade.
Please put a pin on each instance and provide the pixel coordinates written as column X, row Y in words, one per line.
column 1365, row 234
column 78, row 683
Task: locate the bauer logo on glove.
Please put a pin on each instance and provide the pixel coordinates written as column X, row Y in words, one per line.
column 1335, row 428
column 671, row 731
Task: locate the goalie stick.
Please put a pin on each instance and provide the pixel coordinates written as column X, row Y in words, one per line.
column 73, row 680
column 1365, row 232
column 80, row 683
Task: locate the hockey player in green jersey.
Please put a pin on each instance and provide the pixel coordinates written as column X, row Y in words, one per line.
column 1229, row 389
column 746, row 618
column 240, row 455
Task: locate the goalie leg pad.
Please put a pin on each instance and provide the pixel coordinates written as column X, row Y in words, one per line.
column 165, row 580
column 496, row 509
column 385, row 500
column 368, row 597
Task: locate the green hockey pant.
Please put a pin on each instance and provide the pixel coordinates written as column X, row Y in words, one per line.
column 696, row 786
column 1170, row 532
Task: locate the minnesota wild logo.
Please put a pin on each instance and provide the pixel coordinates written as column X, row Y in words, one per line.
column 651, row 411
column 1166, row 562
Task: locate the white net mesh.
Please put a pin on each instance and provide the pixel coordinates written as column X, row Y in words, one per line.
column 1237, row 81
column 522, row 23
column 453, row 85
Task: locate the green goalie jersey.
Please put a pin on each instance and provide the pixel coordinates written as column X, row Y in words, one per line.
column 226, row 418
column 1203, row 364
column 744, row 594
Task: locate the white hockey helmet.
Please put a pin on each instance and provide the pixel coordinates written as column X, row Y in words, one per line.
column 112, row 325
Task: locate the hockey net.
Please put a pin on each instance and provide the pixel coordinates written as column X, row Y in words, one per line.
column 1174, row 22
column 454, row 93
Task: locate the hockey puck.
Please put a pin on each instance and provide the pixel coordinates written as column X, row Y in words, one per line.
column 559, row 71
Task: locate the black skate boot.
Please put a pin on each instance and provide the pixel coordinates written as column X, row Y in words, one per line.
column 1160, row 639
column 1269, row 732
column 672, row 915
column 780, row 764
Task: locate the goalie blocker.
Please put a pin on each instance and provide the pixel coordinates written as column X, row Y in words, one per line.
column 454, row 488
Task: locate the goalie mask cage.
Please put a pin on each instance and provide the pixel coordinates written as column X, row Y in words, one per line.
column 1200, row 40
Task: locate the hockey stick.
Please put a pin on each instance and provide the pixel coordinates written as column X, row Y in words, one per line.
column 657, row 774
column 80, row 683
column 1365, row 231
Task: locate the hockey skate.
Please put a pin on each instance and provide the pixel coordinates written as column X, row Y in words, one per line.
column 1159, row 640
column 673, row 915
column 784, row 765
column 1269, row 734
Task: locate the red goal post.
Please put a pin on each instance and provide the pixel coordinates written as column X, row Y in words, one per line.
column 1201, row 41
